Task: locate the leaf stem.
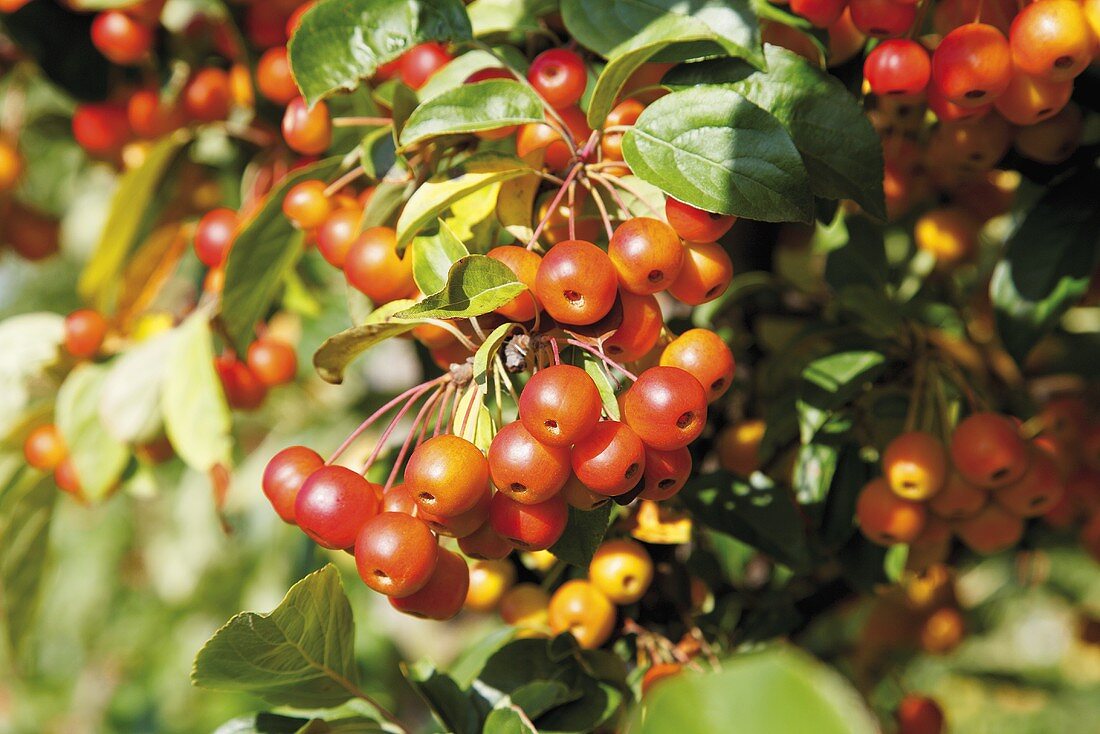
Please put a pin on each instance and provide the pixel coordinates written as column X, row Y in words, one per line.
column 361, row 121
column 344, row 180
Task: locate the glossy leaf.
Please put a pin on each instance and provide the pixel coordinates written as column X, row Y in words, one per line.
column 830, row 383
column 483, row 357
column 453, row 707
column 498, row 17
column 583, row 535
column 601, row 376
column 469, row 108
column 476, row 285
column 337, row 352
column 433, row 255
column 300, row 654
column 129, row 406
column 714, row 149
column 508, row 720
column 341, row 42
column 98, row 458
column 26, row 510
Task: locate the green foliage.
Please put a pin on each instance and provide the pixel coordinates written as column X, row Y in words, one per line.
column 98, row 458
column 583, row 535
column 476, row 285
column 486, row 105
column 433, row 254
column 26, row 509
column 337, row 351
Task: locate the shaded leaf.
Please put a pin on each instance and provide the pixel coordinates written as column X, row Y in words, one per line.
column 97, row 457
column 469, row 108
column 336, row 353
column 483, row 358
column 583, row 535
column 476, row 285
column 26, row 509
column 448, row 702
column 129, row 405
column 433, row 254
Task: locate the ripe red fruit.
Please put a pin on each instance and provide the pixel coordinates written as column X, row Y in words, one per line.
column 987, row 450
column 484, row 544
column 273, row 76
column 559, row 76
column 525, row 265
column 524, row 469
column 610, row 460
column 207, row 95
column 528, row 527
column 398, row 498
column 898, row 67
column 84, row 333
column 1051, row 39
column 919, row 715
column 647, row 255
column 396, row 554
column 947, row 111
column 420, row 62
column 444, row 594
column 1031, row 99
column 44, row 449
column 696, row 225
column 705, row 275
column 284, row 476
column 972, row 66
column 640, row 328
column 243, row 391
column 702, row 354
column 336, row 235
column 214, row 236
column 822, row 13
column 274, row 362
column 958, row 499
column 307, row 131
column 373, row 267
column 151, row 117
column 882, row 18
column 576, row 282
column 101, row 128
column 992, row 530
column 121, row 38
column 885, row 518
column 666, row 473
column 623, row 114
column 295, row 18
column 666, row 407
column 1038, row 490
column 333, row 505
column 306, row 205
column 538, row 135
column 67, row 480
column 560, row 405
column 447, row 475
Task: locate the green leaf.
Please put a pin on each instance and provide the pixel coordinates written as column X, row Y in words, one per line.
column 508, row 720
column 345, row 725
column 196, row 416
column 476, row 285
column 301, row 654
column 265, row 249
column 456, row 71
column 98, row 458
column 813, row 474
column 583, row 535
column 756, row 511
column 340, row 42
column 129, row 406
column 832, row 382
column 1048, row 262
column 262, row 723
column 714, row 149
column 377, row 152
column 483, row 357
column 448, row 702
column 130, row 211
column 758, row 690
column 601, row 376
column 538, row 697
column 840, row 149
column 469, row 108
column 496, row 17
column 26, row 509
column 471, row 420
column 337, row 352
column 434, row 197
column 433, row 254
column 860, row 262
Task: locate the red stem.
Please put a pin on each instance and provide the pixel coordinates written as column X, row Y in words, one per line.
column 381, row 412
column 389, row 431
column 603, row 357
column 420, row 416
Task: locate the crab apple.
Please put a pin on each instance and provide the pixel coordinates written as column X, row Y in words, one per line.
column 460, row 525
column 559, row 76
column 581, row 497
column 972, row 147
column 988, row 451
column 696, row 225
column 524, row 469
column 11, row 165
column 898, row 67
column 666, row 407
column 421, row 62
column 657, row 673
column 442, row 597
column 845, row 40
column 539, row 136
column 447, row 475
column 1051, row 39
column 274, row 362
column 1037, row 491
column 67, row 480
column 915, row 465
column 919, row 715
column 284, row 476
column 214, row 236
column 525, row 606
column 150, row 116
column 207, row 95
column 958, row 499
column 307, row 130
column 702, row 354
column 992, row 530
column 639, row 330
column 792, row 39
column 101, row 129
column 949, row 233
column 528, row 527
column 85, row 330
column 943, row 631
column 306, row 205
column 647, row 255
column 44, row 449
column 524, row 264
column 484, row 544
column 932, row 546
column 622, row 570
column 396, row 554
column 374, row 268
column 1031, row 99
column 333, row 505
column 610, row 459
column 243, row 390
column 705, row 275
column 337, row 233
column 666, row 473
column 121, row 38
column 739, row 446
column 822, row 13
column 398, row 498
column 576, row 283
column 489, row 582
column 560, row 405
column 578, row 607
column 273, row 76
column 972, row 65
column 624, row 114
column 885, row 518
column 947, row 111
column 882, row 18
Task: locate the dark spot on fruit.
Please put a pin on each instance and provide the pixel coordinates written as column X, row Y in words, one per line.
column 685, row 420
column 518, row 488
column 975, row 94
column 666, row 483
column 1063, row 62
column 655, row 276
column 631, row 471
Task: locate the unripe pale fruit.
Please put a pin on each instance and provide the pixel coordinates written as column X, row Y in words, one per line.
column 915, row 465
column 622, row 570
